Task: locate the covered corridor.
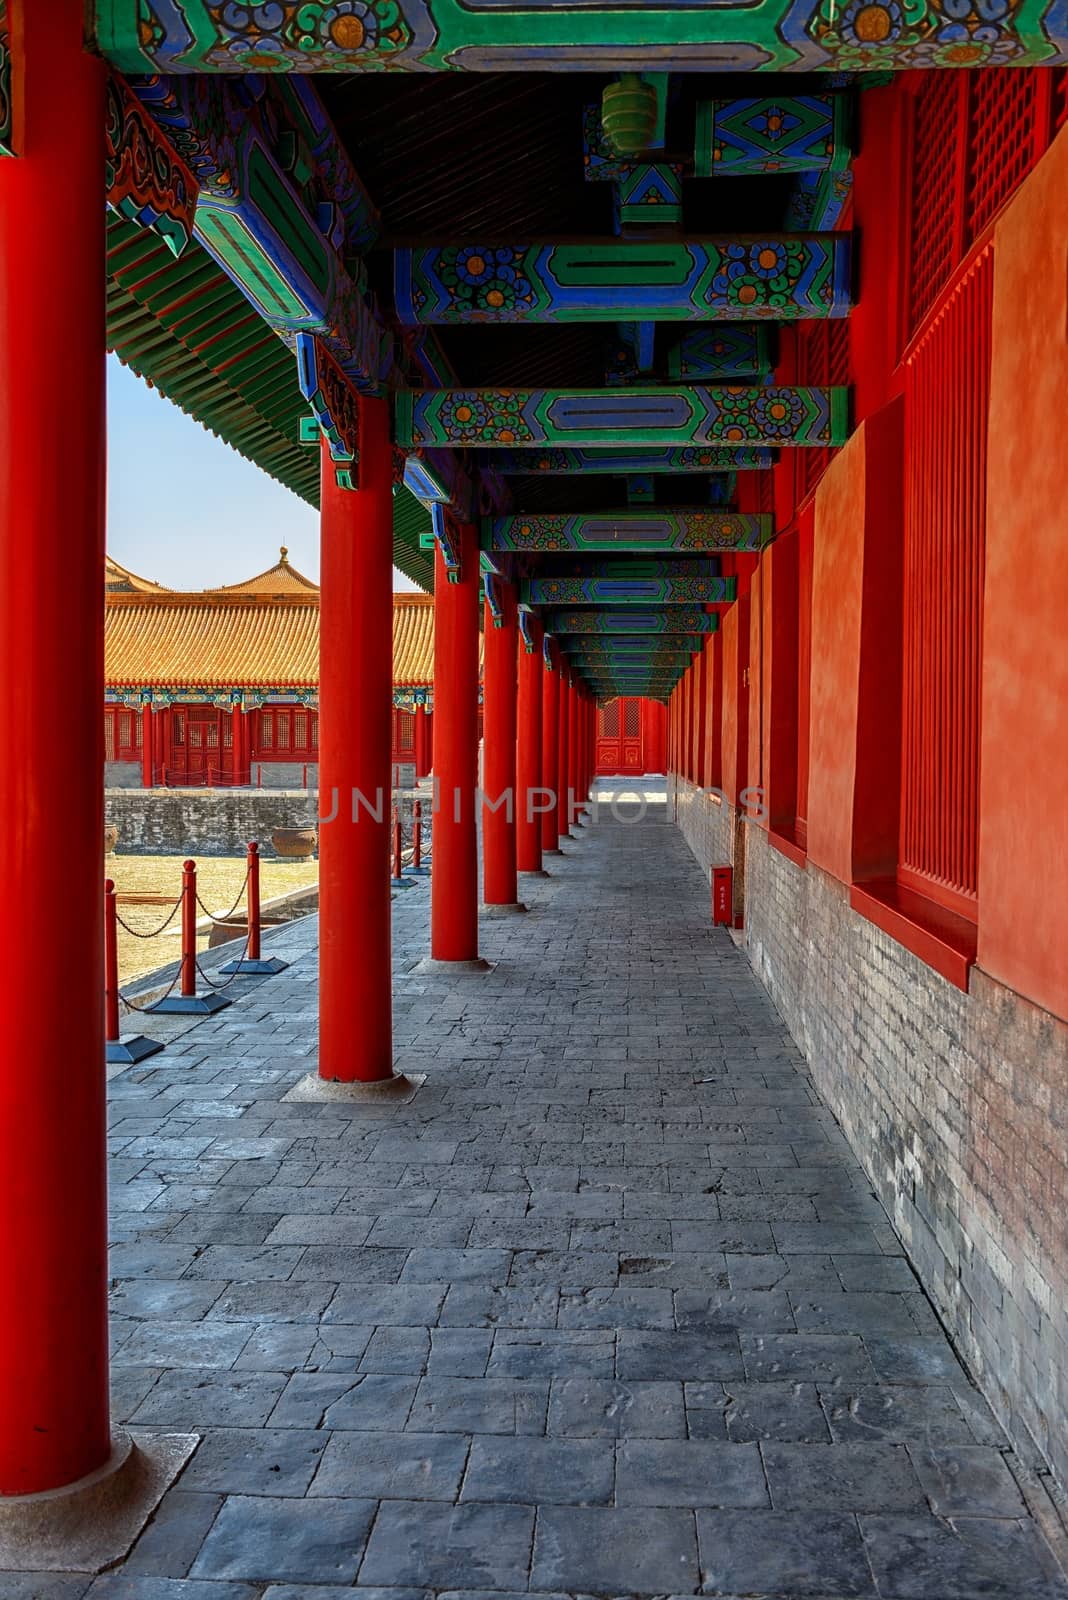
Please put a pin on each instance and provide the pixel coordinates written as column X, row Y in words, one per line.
column 607, row 1308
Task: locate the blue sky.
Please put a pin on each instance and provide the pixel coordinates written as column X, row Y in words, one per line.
column 186, row 510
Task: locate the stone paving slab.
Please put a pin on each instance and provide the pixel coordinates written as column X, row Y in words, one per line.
column 607, row 1309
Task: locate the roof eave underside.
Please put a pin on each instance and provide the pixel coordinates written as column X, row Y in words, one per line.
column 188, row 331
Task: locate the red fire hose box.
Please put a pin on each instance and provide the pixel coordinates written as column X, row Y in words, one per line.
column 723, row 895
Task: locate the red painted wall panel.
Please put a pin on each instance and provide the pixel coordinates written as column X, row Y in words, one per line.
column 1023, row 859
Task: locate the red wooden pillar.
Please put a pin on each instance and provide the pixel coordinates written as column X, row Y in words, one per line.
column 576, row 755
column 550, row 751
column 499, row 882
column 529, row 753
column 563, row 761
column 356, row 647
column 237, row 717
column 454, row 881
column 54, row 1426
column 147, row 755
column 422, row 741
column 160, row 724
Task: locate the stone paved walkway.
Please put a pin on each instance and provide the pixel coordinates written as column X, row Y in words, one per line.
column 606, row 1310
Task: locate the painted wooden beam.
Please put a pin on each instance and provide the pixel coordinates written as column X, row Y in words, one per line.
column 263, row 160
column 780, row 133
column 784, row 277
column 624, row 462
column 543, row 35
column 684, row 415
column 619, row 620
column 629, row 530
column 660, row 591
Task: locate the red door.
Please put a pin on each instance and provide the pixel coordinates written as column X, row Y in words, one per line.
column 631, row 737
column 619, row 738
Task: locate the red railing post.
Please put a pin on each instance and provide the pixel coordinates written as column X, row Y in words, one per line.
column 253, row 952
column 417, row 835
column 398, row 871
column 189, row 929
column 111, row 964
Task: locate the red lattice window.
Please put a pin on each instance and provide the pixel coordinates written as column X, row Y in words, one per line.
column 934, row 248
column 975, row 137
column 609, row 720
column 1008, row 129
column 632, row 719
column 403, row 732
column 1060, row 97
column 947, row 388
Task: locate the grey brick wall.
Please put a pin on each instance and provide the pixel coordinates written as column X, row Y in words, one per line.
column 122, row 774
column 954, row 1103
column 207, row 822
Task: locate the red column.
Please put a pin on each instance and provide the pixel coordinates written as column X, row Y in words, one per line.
column 454, row 881
column 356, row 649
column 528, row 754
column 147, row 758
column 499, row 882
column 574, row 754
column 422, row 742
column 563, row 760
column 54, row 1425
column 550, row 752
column 160, row 724
column 237, row 717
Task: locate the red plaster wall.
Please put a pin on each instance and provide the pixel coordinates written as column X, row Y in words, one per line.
column 837, row 585
column 855, row 721
column 735, row 709
column 1023, row 816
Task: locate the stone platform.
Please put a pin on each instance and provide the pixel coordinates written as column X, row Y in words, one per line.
column 605, row 1309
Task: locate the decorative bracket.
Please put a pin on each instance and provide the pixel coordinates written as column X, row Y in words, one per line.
column 547, row 652
column 334, row 402
column 147, row 182
column 450, row 549
column 493, row 586
column 526, row 632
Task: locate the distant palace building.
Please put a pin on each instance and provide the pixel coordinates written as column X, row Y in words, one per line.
column 221, row 686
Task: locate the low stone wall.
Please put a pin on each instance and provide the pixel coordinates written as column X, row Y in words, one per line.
column 122, row 774
column 206, row 822
column 954, row 1104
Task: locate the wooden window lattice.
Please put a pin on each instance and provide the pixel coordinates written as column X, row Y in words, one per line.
column 947, row 390
column 632, row 719
column 976, row 136
column 609, row 716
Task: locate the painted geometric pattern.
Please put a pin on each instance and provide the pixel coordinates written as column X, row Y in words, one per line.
column 145, row 180
column 259, row 226
column 728, row 414
column 818, row 200
column 7, row 72
column 627, row 591
column 782, row 278
column 624, row 462
column 630, row 530
column 651, row 657
column 673, row 619
column 596, row 35
column 742, row 138
column 650, row 195
column 722, row 353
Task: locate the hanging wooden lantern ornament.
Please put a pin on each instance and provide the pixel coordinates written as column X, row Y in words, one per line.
column 628, row 115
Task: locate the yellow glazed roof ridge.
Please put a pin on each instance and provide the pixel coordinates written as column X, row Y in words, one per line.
column 237, row 637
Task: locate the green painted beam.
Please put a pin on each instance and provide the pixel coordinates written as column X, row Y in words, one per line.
column 204, row 36
column 780, row 278
column 624, row 462
column 630, row 591
column 628, row 530
column 673, row 619
column 697, row 414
